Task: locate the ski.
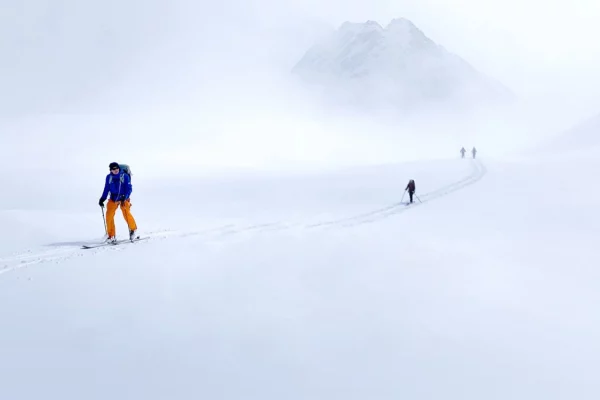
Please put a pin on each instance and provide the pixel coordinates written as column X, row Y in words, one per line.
column 118, row 242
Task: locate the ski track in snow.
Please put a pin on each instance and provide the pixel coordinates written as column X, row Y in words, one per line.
column 478, row 172
column 66, row 251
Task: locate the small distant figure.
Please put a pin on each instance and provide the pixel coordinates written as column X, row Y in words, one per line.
column 463, row 151
column 411, row 189
column 474, row 151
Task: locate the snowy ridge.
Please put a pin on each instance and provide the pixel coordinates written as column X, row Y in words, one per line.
column 64, row 251
column 582, row 137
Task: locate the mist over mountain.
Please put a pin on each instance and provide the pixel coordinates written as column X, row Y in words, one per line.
column 398, row 66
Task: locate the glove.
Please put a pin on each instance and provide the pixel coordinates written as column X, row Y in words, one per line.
column 101, row 203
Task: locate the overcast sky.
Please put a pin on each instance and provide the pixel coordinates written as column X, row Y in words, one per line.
column 534, row 47
column 132, row 56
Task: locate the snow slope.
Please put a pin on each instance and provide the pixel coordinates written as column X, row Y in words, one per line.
column 315, row 286
column 582, row 138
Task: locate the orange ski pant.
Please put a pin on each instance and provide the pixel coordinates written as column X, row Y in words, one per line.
column 111, row 209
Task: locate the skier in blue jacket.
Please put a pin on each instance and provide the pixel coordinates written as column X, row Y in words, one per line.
column 118, row 185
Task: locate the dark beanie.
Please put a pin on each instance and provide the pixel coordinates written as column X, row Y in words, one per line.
column 114, row 165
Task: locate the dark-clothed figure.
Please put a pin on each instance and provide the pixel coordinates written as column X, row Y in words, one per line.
column 411, row 189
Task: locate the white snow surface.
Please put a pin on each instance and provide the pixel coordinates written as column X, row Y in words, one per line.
column 316, row 286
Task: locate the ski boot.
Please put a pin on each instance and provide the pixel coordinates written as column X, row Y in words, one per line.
column 132, row 235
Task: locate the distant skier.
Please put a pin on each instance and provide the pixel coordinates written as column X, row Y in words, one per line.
column 411, row 189
column 474, row 151
column 118, row 184
column 463, row 151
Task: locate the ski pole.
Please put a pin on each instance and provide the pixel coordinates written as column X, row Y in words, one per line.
column 418, row 198
column 104, row 220
column 403, row 196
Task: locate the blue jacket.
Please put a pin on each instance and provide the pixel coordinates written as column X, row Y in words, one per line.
column 117, row 185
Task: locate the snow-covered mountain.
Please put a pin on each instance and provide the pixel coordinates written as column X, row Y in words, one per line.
column 366, row 63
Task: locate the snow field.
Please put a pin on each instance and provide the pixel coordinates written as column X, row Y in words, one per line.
column 485, row 291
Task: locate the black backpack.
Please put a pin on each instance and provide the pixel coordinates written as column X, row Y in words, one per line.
column 125, row 168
